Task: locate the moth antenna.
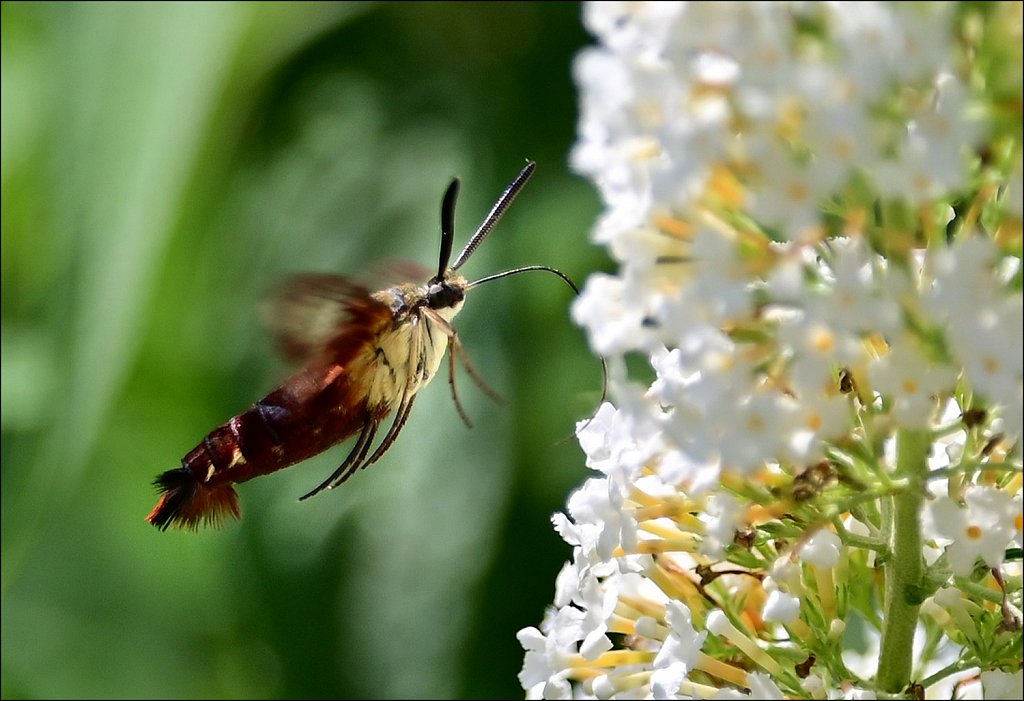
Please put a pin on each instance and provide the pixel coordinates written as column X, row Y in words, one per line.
column 576, row 290
column 447, row 227
column 604, row 396
column 495, row 215
column 525, row 269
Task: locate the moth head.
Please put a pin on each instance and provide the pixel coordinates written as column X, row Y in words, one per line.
column 446, row 293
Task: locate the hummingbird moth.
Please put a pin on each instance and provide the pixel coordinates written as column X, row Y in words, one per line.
column 366, row 355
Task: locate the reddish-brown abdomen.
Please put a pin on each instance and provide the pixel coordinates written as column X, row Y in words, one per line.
column 319, row 406
column 267, row 437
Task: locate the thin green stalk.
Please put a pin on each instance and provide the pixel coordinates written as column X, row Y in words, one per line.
column 905, row 569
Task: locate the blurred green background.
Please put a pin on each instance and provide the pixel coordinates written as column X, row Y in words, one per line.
column 163, row 166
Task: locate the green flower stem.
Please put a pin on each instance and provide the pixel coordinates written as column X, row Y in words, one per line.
column 978, row 591
column 858, row 541
column 905, row 569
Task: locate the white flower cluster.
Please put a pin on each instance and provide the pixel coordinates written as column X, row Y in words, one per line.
column 816, row 209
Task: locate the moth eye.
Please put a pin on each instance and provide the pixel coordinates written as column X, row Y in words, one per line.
column 442, row 296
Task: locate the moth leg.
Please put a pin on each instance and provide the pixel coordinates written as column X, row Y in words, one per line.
column 455, row 395
column 456, row 344
column 464, row 357
column 401, row 416
column 404, row 408
column 356, row 460
column 450, row 333
column 351, row 463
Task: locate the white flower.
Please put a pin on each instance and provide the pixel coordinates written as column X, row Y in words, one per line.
column 816, row 211
column 567, row 582
column 598, row 603
column 615, row 445
column 614, row 318
column 762, row 687
column 601, row 521
column 721, row 285
column 858, row 299
column 1002, row 685
column 788, row 200
column 546, row 665
column 631, row 32
column 983, row 528
column 912, row 382
column 678, row 653
column 985, row 322
column 726, row 516
column 781, row 607
column 885, row 44
column 821, row 549
column 765, row 420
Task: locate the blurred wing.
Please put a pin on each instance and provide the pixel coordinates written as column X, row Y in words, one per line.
column 313, row 313
column 394, row 272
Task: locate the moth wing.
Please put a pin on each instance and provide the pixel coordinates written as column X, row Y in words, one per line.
column 318, row 314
